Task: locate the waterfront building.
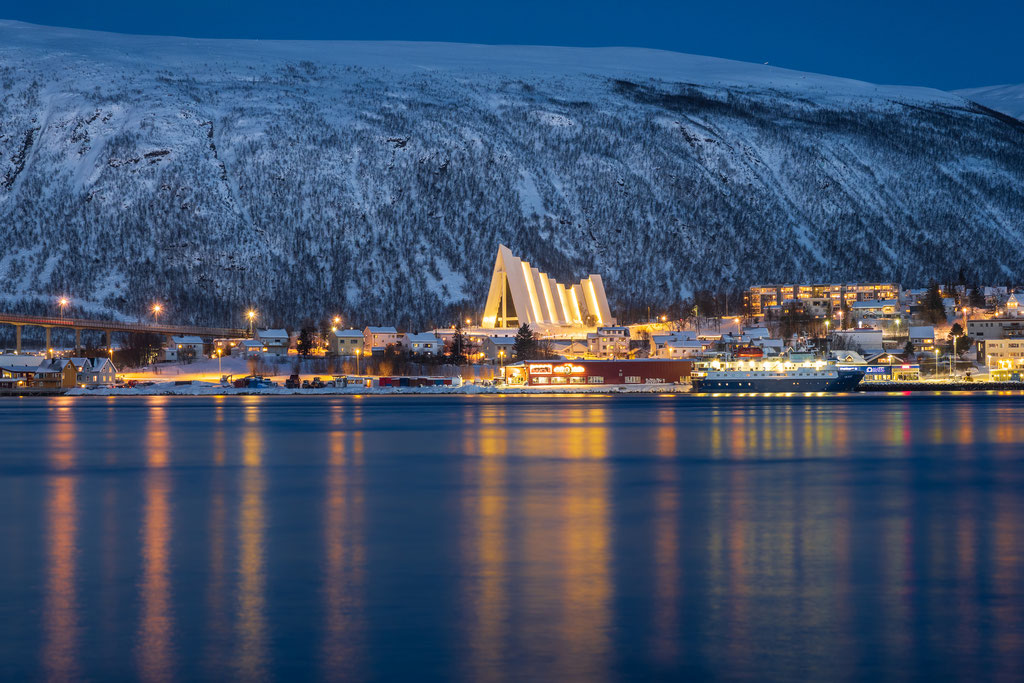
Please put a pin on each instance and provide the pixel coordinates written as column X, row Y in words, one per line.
column 1002, row 353
column 249, row 347
column 675, row 345
column 609, row 342
column 377, row 339
column 275, row 342
column 567, row 348
column 181, row 346
column 497, row 349
column 818, row 297
column 344, row 342
column 94, row 372
column 995, row 328
column 922, row 337
column 425, row 343
column 597, row 372
column 860, row 338
column 520, row 294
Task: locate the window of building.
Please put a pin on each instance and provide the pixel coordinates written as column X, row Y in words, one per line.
column 595, row 380
column 559, row 380
column 576, row 380
column 541, row 380
column 632, row 379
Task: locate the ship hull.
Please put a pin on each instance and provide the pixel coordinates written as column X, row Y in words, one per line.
column 846, row 381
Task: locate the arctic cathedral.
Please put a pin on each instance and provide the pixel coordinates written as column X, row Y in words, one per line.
column 520, row 294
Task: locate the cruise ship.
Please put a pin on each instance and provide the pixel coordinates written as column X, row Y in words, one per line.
column 783, row 375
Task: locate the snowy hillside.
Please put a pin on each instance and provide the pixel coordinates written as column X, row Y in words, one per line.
column 377, row 179
column 1008, row 99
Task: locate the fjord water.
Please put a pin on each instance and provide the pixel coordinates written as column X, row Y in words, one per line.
column 517, row 538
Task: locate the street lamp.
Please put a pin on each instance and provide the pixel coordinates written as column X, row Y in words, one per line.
column 251, row 315
column 936, row 359
column 501, row 355
column 337, row 320
column 219, row 371
column 157, row 308
column 63, row 303
column 358, row 353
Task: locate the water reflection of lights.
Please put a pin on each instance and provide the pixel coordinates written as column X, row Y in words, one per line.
column 251, row 623
column 345, row 554
column 487, row 549
column 156, row 625
column 60, row 609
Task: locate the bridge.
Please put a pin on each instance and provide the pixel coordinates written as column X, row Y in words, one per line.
column 111, row 326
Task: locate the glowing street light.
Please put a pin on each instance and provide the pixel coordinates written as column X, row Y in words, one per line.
column 219, row 371
column 63, row 303
column 337, row 320
column 358, row 353
column 157, row 308
column 501, row 355
column 251, row 315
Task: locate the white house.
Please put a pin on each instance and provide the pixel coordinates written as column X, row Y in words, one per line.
column 345, row 342
column 756, row 332
column 922, row 337
column 675, row 345
column 426, row 343
column 570, row 349
column 249, row 347
column 866, row 338
column 498, row 349
column 276, row 342
column 184, row 347
column 95, row 372
column 377, row 339
column 874, row 309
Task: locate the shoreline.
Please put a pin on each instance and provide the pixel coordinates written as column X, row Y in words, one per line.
column 207, row 389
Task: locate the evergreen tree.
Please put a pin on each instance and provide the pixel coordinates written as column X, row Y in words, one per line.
column 977, row 299
column 459, row 345
column 908, row 350
column 525, row 344
column 933, row 309
column 305, row 342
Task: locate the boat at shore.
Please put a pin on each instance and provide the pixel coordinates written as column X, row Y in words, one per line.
column 782, row 375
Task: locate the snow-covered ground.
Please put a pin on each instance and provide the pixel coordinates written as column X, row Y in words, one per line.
column 1008, row 99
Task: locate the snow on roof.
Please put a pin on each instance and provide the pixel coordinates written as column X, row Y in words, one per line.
column 503, row 341
column 381, row 330
column 756, row 332
column 422, row 337
column 921, row 332
column 272, row 334
column 20, row 362
column 348, row 334
column 187, row 339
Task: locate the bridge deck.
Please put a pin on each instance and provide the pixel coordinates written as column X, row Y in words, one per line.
column 117, row 326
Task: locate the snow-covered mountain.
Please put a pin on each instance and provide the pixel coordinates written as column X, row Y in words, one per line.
column 377, row 179
column 1008, row 99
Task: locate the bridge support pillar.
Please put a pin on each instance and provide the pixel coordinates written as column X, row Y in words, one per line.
column 78, row 341
column 110, row 348
column 48, row 347
column 17, row 339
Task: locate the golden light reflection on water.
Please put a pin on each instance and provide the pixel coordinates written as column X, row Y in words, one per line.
column 217, row 618
column 488, row 541
column 251, row 620
column 60, row 610
column 156, row 626
column 667, row 571
column 345, row 553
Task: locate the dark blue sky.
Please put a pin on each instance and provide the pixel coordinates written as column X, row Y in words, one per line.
column 942, row 43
